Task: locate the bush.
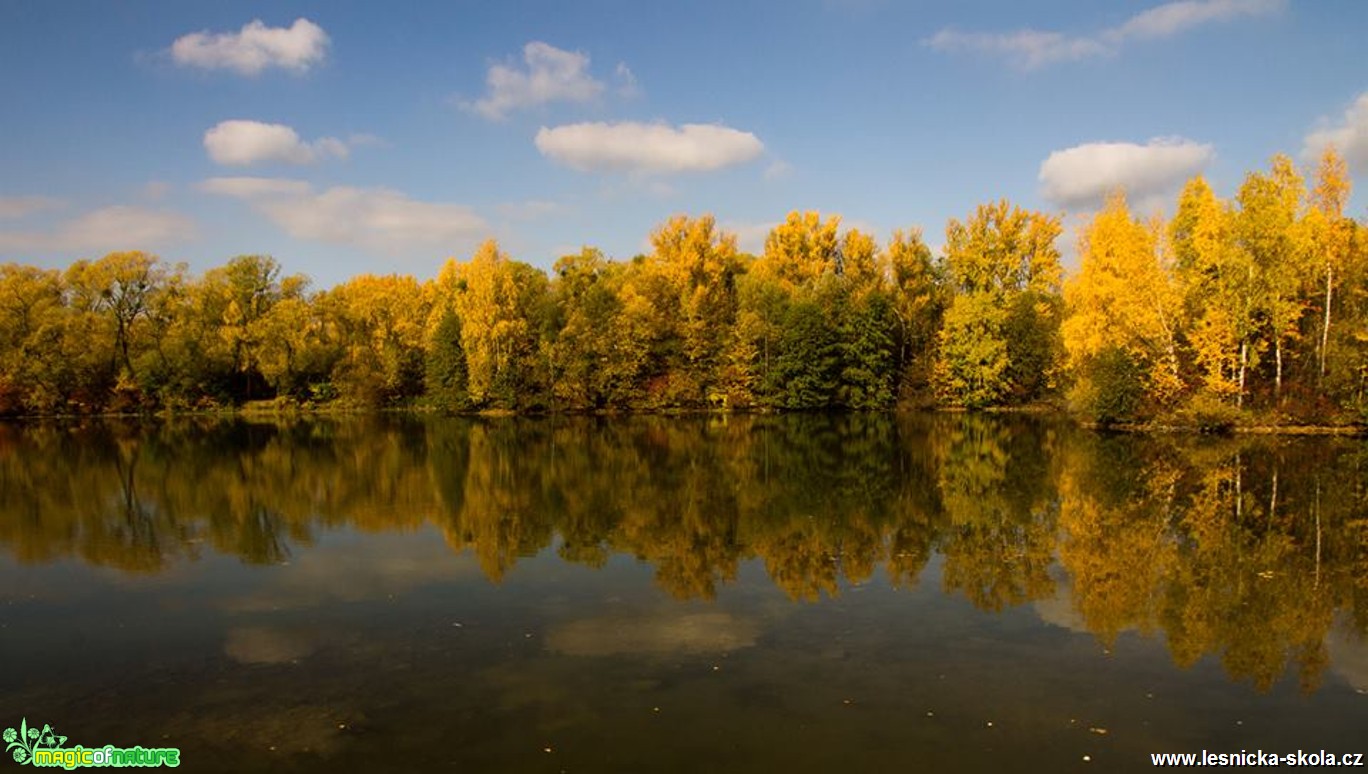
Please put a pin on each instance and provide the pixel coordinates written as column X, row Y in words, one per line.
column 1209, row 414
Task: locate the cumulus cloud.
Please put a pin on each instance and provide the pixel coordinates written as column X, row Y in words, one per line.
column 13, row 207
column 1029, row 49
column 551, row 75
column 1084, row 174
column 1349, row 135
column 254, row 48
column 647, row 148
column 243, row 143
column 119, row 227
column 380, row 220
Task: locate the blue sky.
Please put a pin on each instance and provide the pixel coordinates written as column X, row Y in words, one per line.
column 349, row 137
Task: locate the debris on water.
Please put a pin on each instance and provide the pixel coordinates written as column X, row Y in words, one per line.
column 1087, row 757
column 655, row 709
column 845, row 701
column 716, row 668
column 930, row 714
column 457, row 624
column 990, row 724
column 1098, row 730
column 546, row 749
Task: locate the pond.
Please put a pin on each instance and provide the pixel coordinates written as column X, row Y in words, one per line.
column 678, row 594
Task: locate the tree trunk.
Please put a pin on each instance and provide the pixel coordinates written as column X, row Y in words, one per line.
column 1244, row 360
column 1325, row 327
column 1277, row 379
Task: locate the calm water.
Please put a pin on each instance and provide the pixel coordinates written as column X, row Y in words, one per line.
column 805, row 593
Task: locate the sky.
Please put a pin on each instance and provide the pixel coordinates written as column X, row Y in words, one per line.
column 345, row 138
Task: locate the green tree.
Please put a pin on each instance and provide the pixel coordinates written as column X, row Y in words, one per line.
column 1003, row 271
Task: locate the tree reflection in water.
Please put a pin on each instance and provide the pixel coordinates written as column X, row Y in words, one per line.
column 1247, row 549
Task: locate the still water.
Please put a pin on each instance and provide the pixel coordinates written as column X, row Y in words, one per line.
column 729, row 594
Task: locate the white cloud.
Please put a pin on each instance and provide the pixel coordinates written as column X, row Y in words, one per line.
column 647, row 148
column 243, row 143
column 1349, row 135
column 627, row 82
column 552, row 75
column 1172, row 18
column 1084, row 174
column 13, row 207
column 778, row 170
column 118, row 227
column 254, row 187
column 380, row 220
column 254, row 48
column 1029, row 49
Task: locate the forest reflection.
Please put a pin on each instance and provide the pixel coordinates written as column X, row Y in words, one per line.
column 1251, row 549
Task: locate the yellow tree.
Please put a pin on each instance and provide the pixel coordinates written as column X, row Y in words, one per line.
column 1271, row 238
column 500, row 303
column 917, row 298
column 1331, row 231
column 382, row 329
column 119, row 291
column 34, row 372
column 1218, row 288
column 698, row 264
column 1122, row 299
column 803, row 248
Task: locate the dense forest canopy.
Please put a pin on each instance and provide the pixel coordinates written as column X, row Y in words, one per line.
column 1253, row 303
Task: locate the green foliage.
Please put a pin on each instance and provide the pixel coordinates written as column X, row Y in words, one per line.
column 806, row 367
column 445, row 375
column 972, row 369
column 1113, row 387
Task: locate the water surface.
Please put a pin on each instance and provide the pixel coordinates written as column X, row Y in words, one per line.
column 798, row 593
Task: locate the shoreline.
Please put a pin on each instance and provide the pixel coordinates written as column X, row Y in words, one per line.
column 1035, row 410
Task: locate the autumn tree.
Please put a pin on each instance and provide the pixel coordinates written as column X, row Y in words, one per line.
column 1332, row 236
column 918, row 302
column 381, row 328
column 501, row 304
column 1272, row 246
column 1123, row 316
column 999, row 341
column 1218, row 288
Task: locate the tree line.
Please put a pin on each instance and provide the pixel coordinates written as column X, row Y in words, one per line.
column 1253, row 303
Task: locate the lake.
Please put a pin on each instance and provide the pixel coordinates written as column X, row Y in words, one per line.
column 679, row 594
